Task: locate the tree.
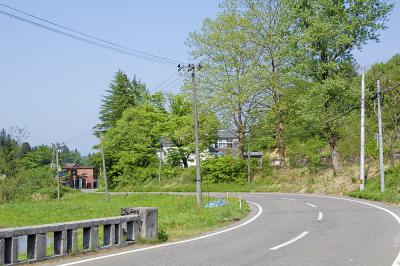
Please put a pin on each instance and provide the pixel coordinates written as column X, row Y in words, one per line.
column 38, row 156
column 226, row 79
column 8, row 154
column 389, row 75
column 131, row 145
column 324, row 34
column 122, row 94
column 180, row 127
column 268, row 29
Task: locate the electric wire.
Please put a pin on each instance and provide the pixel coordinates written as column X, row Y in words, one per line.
column 174, row 86
column 86, row 40
column 168, row 78
column 88, row 35
column 172, row 82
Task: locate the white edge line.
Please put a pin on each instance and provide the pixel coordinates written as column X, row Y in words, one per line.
column 290, row 241
column 309, row 204
column 320, row 215
column 260, row 210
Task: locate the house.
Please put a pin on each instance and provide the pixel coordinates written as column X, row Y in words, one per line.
column 227, row 142
column 80, row 176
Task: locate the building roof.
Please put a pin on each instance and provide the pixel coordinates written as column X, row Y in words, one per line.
column 226, row 134
column 70, row 165
column 76, row 166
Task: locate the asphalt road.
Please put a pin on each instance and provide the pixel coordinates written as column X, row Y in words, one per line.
column 284, row 229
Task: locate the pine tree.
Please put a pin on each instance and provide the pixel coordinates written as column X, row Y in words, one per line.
column 122, row 94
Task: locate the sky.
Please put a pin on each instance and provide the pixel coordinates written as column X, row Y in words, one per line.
column 53, row 85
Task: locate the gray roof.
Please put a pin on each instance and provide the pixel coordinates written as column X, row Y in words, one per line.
column 226, row 134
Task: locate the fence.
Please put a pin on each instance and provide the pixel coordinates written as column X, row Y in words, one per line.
column 116, row 231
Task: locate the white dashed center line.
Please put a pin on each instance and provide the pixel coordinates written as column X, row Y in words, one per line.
column 290, row 241
column 309, row 204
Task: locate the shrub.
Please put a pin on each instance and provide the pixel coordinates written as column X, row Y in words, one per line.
column 26, row 183
column 225, row 169
column 393, row 176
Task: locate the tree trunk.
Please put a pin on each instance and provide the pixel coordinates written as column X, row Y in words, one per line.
column 280, row 141
column 184, row 161
column 241, row 142
column 337, row 166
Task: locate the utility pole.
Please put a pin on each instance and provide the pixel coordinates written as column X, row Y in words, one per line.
column 58, row 172
column 160, row 164
column 248, row 162
column 104, row 167
column 381, row 163
column 192, row 68
column 362, row 150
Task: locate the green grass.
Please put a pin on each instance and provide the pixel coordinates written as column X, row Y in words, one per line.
column 222, row 187
column 179, row 216
column 372, row 188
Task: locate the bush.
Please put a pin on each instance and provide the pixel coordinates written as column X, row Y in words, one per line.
column 393, row 177
column 36, row 181
column 225, row 169
column 313, row 152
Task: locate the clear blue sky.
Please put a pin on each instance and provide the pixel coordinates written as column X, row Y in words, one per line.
column 53, row 85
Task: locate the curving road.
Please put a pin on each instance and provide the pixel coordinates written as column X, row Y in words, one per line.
column 284, row 229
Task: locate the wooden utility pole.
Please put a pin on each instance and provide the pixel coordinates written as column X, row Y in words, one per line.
column 160, row 163
column 104, row 167
column 381, row 163
column 362, row 148
column 248, row 162
column 58, row 172
column 192, row 68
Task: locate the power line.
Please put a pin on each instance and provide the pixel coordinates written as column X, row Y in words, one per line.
column 86, row 40
column 168, row 78
column 174, row 86
column 392, row 88
column 172, row 82
column 88, row 35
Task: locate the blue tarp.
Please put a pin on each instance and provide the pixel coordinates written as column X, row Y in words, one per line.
column 216, row 203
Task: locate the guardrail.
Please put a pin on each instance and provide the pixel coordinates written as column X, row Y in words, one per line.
column 117, row 231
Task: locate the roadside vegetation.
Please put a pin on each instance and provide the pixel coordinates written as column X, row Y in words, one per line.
column 179, row 216
column 372, row 189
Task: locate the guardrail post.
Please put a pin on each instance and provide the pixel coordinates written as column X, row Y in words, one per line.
column 107, row 235
column 72, row 240
column 37, row 245
column 90, row 238
column 132, row 231
column 2, row 251
column 11, row 250
column 118, row 234
column 60, row 243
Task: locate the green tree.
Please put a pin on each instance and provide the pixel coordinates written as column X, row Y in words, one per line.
column 122, row 94
column 38, row 156
column 268, row 28
column 324, row 34
column 226, row 79
column 180, row 127
column 8, row 154
column 389, row 75
column 132, row 144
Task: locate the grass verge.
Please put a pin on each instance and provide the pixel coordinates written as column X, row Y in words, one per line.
column 179, row 216
column 372, row 188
